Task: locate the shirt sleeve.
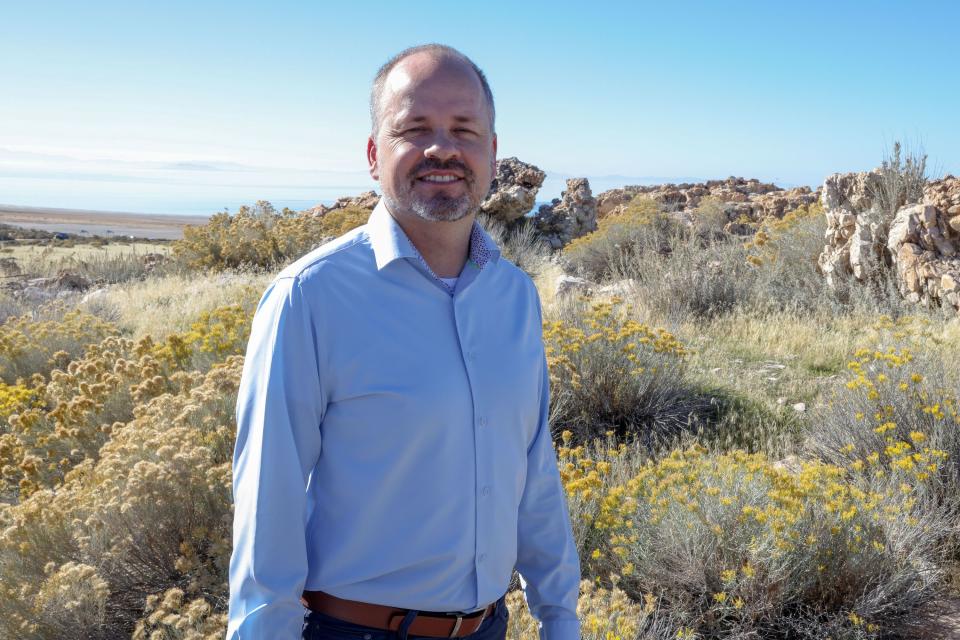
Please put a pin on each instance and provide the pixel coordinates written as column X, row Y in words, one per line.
column 547, row 559
column 280, row 405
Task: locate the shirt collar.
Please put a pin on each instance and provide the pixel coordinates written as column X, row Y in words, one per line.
column 390, row 243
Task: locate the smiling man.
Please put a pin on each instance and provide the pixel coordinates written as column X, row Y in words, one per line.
column 393, row 462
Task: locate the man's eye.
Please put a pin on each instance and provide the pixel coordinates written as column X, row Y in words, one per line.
column 462, row 130
column 415, row 129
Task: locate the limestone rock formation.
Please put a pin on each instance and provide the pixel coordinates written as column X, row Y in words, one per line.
column 850, row 248
column 747, row 199
column 924, row 242
column 572, row 215
column 366, row 200
column 514, row 190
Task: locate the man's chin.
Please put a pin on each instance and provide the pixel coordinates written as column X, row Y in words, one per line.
column 446, row 210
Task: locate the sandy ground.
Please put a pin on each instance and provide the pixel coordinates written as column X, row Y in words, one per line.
column 103, row 223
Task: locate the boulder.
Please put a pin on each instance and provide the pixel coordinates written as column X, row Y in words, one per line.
column 366, row 200
column 573, row 215
column 925, row 246
column 513, row 193
column 567, row 285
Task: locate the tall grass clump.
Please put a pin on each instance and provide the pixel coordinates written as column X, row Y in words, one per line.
column 520, row 243
column 110, row 267
column 687, row 276
column 903, row 175
column 901, row 181
column 609, row 371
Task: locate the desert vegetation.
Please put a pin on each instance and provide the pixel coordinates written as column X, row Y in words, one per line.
column 746, row 451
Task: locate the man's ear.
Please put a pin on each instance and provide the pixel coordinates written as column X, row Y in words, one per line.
column 372, row 158
column 493, row 166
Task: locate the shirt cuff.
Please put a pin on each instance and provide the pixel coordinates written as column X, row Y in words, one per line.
column 560, row 630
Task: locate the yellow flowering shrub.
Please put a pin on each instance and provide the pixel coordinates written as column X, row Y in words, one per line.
column 773, row 232
column 73, row 597
column 30, row 346
column 214, row 336
column 170, row 618
column 899, row 405
column 154, row 510
column 608, row 371
column 261, row 236
column 74, row 415
column 605, row 614
column 618, row 236
column 18, row 397
column 736, row 543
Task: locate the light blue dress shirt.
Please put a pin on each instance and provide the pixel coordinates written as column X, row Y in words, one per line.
column 392, row 440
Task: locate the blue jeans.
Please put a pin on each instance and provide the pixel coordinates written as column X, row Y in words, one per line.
column 318, row 626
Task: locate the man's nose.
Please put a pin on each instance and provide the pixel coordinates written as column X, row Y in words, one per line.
column 442, row 147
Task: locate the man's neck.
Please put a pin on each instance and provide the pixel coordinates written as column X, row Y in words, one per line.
column 444, row 245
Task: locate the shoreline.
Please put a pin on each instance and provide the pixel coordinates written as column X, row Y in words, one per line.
column 88, row 223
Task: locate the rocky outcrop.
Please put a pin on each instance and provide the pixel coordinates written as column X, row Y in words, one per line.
column 366, row 200
column 572, row 215
column 40, row 290
column 513, row 193
column 924, row 243
column 854, row 238
column 921, row 242
column 746, row 199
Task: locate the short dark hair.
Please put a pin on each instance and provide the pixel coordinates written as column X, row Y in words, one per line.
column 440, row 51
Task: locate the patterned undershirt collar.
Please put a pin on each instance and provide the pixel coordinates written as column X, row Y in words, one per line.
column 479, row 255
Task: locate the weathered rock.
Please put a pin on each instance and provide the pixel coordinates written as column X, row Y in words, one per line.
column 40, row 290
column 514, row 190
column 925, row 247
column 567, row 285
column 854, row 240
column 95, row 294
column 571, row 216
column 747, row 200
column 366, row 200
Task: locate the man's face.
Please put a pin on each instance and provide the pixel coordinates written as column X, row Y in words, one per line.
column 435, row 152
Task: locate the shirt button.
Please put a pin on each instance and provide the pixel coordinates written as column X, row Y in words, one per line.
column 482, row 557
column 471, row 356
column 483, row 421
column 486, row 491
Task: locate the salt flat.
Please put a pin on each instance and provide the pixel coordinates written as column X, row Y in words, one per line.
column 104, row 223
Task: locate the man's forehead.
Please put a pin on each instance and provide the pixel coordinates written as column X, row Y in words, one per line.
column 416, row 82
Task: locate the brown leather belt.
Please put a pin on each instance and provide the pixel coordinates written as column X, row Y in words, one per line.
column 426, row 623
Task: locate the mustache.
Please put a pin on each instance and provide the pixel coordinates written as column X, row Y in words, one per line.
column 436, row 165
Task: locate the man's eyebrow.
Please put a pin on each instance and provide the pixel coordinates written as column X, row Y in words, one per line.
column 412, row 119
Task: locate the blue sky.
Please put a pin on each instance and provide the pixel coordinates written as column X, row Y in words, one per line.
column 187, row 107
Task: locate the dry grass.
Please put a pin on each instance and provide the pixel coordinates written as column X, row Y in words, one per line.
column 163, row 305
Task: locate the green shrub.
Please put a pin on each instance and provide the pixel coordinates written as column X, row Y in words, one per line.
column 261, row 237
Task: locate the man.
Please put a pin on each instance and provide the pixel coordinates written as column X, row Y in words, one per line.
column 393, row 462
